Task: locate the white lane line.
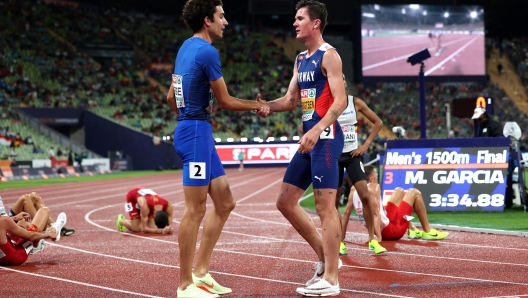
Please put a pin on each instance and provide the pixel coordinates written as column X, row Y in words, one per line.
column 164, row 193
column 406, row 44
column 259, row 191
column 303, row 242
column 451, row 56
column 405, row 56
column 76, row 282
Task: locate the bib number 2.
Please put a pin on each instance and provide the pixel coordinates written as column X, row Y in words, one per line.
column 197, row 170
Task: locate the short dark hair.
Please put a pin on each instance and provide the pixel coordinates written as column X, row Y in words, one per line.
column 368, row 171
column 194, row 12
column 161, row 219
column 316, row 10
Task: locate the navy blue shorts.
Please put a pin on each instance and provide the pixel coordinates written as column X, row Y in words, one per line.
column 193, row 140
column 318, row 167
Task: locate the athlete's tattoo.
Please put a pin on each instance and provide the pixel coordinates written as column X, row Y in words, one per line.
column 319, row 193
column 334, row 113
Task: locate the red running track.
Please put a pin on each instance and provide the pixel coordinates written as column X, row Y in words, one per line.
column 259, row 254
column 461, row 55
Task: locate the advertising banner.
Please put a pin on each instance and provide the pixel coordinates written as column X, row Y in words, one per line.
column 257, row 154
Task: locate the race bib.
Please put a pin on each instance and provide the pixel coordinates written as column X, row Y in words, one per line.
column 350, row 136
column 128, row 207
column 146, row 191
column 177, row 83
column 308, row 103
column 328, row 133
column 197, row 170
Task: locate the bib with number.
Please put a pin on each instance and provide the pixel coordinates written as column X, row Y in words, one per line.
column 177, row 83
column 308, row 103
column 328, row 133
column 350, row 135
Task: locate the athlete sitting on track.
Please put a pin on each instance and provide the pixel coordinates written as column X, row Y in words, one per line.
column 393, row 221
column 148, row 212
column 18, row 241
column 31, row 203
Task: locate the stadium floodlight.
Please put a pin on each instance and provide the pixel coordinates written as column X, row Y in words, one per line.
column 283, row 138
column 296, row 138
column 164, row 138
column 369, row 15
column 414, row 6
column 257, row 139
column 376, row 7
column 446, row 14
column 243, row 139
column 218, row 140
column 230, row 140
column 270, row 139
column 473, row 14
column 403, row 11
column 425, row 12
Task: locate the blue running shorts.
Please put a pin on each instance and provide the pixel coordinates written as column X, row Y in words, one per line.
column 193, row 140
column 318, row 167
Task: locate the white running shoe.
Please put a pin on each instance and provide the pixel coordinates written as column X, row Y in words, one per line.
column 321, row 288
column 39, row 247
column 319, row 272
column 59, row 224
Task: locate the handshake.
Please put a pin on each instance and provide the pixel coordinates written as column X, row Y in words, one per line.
column 264, row 109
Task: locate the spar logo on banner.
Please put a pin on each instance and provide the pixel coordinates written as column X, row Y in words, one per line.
column 257, row 153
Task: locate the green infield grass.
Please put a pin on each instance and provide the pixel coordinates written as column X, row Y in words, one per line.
column 50, row 181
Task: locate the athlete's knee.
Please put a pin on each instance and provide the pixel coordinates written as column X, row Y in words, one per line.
column 226, row 206
column 398, row 191
column 35, row 198
column 414, row 192
column 196, row 209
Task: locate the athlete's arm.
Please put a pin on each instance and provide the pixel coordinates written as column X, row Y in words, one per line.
column 289, row 101
column 16, row 230
column 21, row 216
column 374, row 192
column 171, row 99
column 169, row 213
column 333, row 68
column 144, row 214
column 228, row 102
column 362, row 107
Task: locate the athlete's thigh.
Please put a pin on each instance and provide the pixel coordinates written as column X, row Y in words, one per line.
column 299, row 171
column 324, row 165
column 136, row 224
column 355, row 170
column 195, row 145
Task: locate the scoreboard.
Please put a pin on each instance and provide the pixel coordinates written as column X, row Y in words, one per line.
column 450, row 178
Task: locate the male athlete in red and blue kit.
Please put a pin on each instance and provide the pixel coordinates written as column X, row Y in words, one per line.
column 318, row 81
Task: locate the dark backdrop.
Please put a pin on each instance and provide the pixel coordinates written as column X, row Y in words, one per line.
column 504, row 18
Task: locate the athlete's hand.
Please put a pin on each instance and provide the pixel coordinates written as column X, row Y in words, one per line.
column 52, row 233
column 264, row 110
column 22, row 216
column 167, row 230
column 359, row 151
column 308, row 140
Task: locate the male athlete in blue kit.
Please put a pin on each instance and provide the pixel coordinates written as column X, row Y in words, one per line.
column 197, row 80
column 317, row 79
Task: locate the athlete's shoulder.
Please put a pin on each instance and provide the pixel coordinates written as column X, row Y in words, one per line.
column 325, row 47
